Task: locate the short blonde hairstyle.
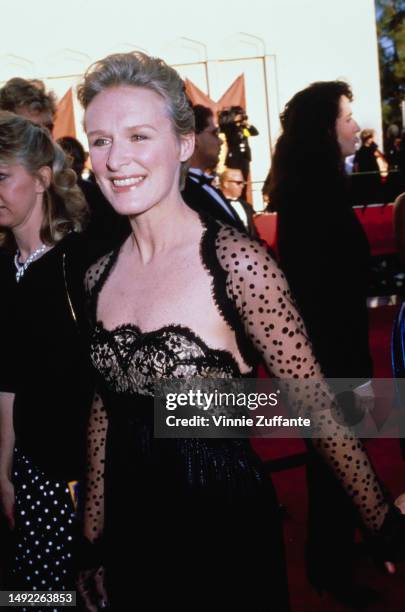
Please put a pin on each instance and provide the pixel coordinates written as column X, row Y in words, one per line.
column 137, row 69
column 64, row 206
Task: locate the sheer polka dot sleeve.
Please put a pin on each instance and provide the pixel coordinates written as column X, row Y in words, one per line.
column 94, row 500
column 97, row 429
column 259, row 292
column 93, row 277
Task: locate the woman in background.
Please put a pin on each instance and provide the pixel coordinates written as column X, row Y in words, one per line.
column 45, row 381
column 324, row 254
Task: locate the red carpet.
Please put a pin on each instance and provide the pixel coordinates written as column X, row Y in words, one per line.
column 291, row 489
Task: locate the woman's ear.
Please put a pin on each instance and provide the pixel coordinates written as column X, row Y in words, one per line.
column 187, row 144
column 44, row 177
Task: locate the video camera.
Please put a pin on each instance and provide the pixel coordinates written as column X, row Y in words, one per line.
column 235, row 115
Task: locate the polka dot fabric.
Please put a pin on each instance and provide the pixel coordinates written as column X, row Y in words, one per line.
column 252, row 295
column 93, row 279
column 94, row 502
column 46, row 528
column 256, row 286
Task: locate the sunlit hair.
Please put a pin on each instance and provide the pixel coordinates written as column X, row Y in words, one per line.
column 366, row 134
column 140, row 70
column 307, row 155
column 64, row 207
column 224, row 176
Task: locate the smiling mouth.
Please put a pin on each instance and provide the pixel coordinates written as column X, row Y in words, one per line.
column 130, row 181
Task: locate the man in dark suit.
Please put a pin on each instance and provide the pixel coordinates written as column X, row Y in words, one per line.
column 232, row 183
column 198, row 192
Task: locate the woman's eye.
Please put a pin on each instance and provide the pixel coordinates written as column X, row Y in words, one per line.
column 2, row 176
column 138, row 137
column 100, row 142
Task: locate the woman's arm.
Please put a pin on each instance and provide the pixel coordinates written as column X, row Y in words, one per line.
column 94, row 500
column 261, row 295
column 7, row 441
column 90, row 582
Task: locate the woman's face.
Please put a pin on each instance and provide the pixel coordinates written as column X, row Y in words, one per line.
column 21, row 196
column 134, row 152
column 346, row 128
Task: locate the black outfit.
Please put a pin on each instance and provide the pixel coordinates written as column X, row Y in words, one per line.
column 45, row 364
column 203, row 200
column 365, row 159
column 366, row 186
column 324, row 254
column 251, row 228
column 196, row 512
column 239, row 154
column 106, row 228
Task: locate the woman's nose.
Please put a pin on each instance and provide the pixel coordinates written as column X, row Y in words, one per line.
column 118, row 156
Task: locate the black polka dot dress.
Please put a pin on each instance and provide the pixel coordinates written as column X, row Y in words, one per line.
column 46, row 527
column 44, row 364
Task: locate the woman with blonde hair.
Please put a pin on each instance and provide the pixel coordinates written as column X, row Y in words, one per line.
column 190, row 521
column 45, row 382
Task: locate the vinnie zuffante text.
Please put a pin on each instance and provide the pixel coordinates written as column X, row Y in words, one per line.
column 209, row 401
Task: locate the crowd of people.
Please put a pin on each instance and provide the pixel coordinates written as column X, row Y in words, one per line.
column 151, row 270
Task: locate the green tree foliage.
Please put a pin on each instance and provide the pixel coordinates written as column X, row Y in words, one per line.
column 391, row 37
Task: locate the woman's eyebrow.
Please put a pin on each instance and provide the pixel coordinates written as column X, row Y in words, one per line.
column 141, row 126
column 127, row 129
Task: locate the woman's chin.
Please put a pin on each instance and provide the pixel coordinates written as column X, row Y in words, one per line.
column 131, row 210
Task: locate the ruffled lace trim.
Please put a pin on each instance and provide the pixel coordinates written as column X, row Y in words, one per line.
column 219, row 276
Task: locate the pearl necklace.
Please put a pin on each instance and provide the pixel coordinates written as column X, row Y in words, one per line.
column 21, row 268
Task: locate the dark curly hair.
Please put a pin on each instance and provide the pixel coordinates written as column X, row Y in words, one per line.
column 202, row 115
column 307, row 157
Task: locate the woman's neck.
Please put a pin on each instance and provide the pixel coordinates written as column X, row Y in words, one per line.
column 27, row 243
column 28, row 234
column 161, row 229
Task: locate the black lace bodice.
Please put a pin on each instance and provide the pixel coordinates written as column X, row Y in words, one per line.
column 250, row 293
column 130, row 361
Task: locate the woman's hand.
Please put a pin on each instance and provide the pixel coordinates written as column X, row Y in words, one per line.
column 90, row 584
column 7, row 502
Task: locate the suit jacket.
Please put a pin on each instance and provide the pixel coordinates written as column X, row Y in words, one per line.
column 201, row 201
column 251, row 228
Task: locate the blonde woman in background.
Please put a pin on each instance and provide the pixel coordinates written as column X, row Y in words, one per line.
column 45, row 381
